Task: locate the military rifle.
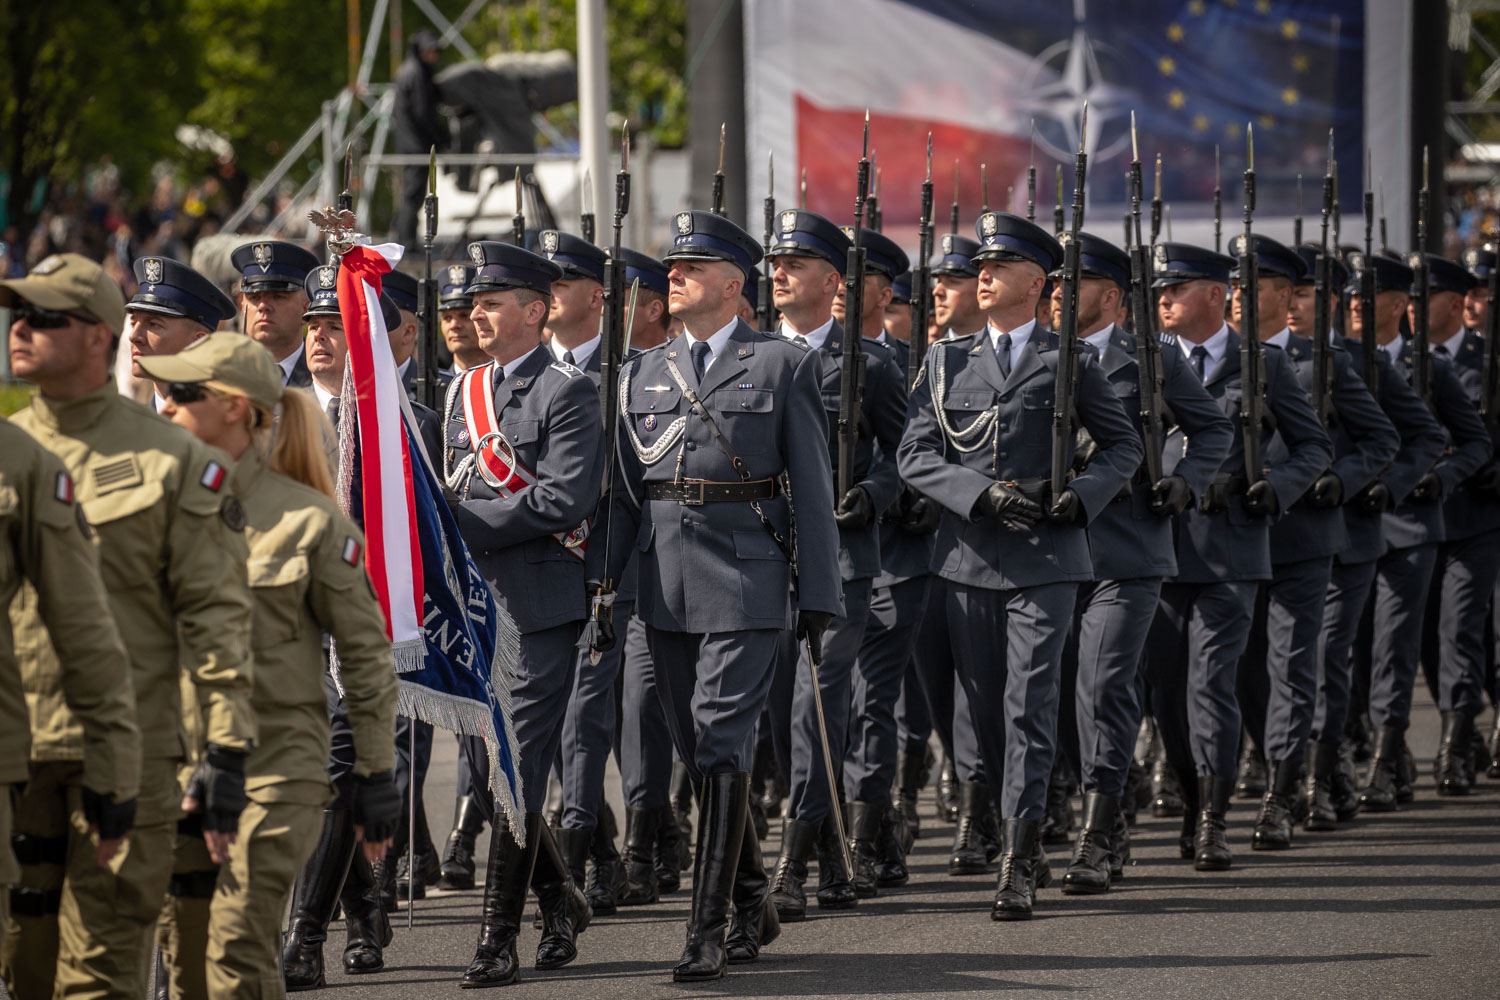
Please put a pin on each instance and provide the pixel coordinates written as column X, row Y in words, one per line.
column 1421, row 367
column 586, row 201
column 953, row 209
column 851, row 380
column 1322, row 395
column 1252, row 354
column 802, row 190
column 765, row 308
column 921, row 275
column 426, row 375
column 1057, row 207
column 1489, row 396
column 1067, row 334
column 984, row 188
column 1297, row 219
column 718, row 201
column 873, row 219
column 1031, row 178
column 1369, row 343
column 1148, row 347
column 1385, row 239
column 518, row 221
column 1156, row 204
column 1218, row 205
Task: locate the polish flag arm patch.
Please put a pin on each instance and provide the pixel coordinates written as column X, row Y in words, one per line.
column 213, row 477
column 352, row 551
column 62, row 489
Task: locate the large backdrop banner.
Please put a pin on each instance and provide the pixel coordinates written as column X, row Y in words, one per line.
column 985, row 76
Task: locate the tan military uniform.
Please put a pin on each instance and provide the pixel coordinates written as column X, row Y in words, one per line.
column 44, row 542
column 307, row 577
column 173, row 564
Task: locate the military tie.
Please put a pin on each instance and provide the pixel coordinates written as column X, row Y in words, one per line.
column 1199, row 357
column 1002, row 354
column 800, row 340
column 699, row 352
column 1441, row 351
column 332, row 409
column 568, row 359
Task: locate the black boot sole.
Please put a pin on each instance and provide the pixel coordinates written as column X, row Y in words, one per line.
column 1080, row 888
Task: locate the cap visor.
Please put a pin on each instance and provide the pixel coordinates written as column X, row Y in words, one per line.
column 151, row 307
column 173, row 368
column 38, row 292
column 697, row 255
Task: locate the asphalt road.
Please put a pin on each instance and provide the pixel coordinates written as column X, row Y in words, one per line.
column 1406, row 905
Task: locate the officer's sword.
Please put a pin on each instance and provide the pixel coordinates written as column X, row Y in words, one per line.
column 814, row 658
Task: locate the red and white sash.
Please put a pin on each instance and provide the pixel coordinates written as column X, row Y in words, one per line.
column 494, row 455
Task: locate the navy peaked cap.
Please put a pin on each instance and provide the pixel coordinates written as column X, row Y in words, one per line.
column 577, row 257
column 1309, row 254
column 1444, row 275
column 402, row 288
column 272, row 266
column 171, row 288
column 498, row 266
column 651, row 272
column 1099, row 258
column 1174, row 263
column 1390, row 275
column 706, row 236
column 453, row 287
column 800, row 233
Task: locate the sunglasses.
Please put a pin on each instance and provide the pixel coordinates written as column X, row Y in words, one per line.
column 47, row 319
column 183, row 393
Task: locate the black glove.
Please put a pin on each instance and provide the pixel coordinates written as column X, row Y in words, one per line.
column 1429, row 489
column 1008, row 504
column 219, row 786
column 1487, row 479
column 598, row 635
column 1171, row 495
column 112, row 819
column 810, row 627
column 377, row 807
column 1375, row 498
column 921, row 517
column 1067, row 508
column 1260, row 500
column 855, row 511
column 1327, row 491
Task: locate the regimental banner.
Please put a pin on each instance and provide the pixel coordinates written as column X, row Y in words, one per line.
column 979, row 73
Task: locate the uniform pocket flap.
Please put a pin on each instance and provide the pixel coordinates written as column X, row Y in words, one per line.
column 122, row 503
column 756, row 545
column 664, row 401
column 744, row 400
column 522, row 431
column 972, row 400
column 276, row 570
column 1039, row 398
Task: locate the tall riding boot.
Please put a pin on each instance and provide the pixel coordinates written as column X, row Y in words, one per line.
column 1453, row 754
column 911, row 764
column 973, row 840
column 458, row 853
column 1322, row 762
column 890, row 851
column 1211, row 846
column 1089, row 872
column 606, row 875
column 1379, row 794
column 1273, row 829
column 671, row 856
column 682, row 811
column 506, row 877
column 787, row 894
column 864, row 830
column 367, row 924
column 721, row 832
column 1023, row 869
column 1251, row 780
column 1166, row 790
column 314, row 898
column 1057, row 823
column 836, row 887
column 1493, row 770
column 753, row 924
column 564, row 908
column 639, row 862
column 1345, row 786
column 947, row 791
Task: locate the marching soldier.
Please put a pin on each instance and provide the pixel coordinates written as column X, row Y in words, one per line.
column 723, row 445
column 1332, row 796
column 955, row 283
column 978, row 441
column 1223, row 549
column 808, row 259
column 1413, row 531
column 172, row 553
column 454, row 306
column 173, row 306
column 45, row 548
column 523, row 457
column 1469, row 556
column 306, row 579
column 272, row 300
column 895, row 323
column 1279, row 673
column 1130, row 543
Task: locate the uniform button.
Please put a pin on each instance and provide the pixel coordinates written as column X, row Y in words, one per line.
column 1005, row 454
column 744, row 404
column 691, row 446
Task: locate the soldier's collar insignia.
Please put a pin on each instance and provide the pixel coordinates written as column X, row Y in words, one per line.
column 684, row 223
column 263, row 254
column 152, row 269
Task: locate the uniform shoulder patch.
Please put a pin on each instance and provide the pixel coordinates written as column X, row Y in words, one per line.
column 232, row 512
column 62, row 488
column 565, row 368
column 213, row 477
column 351, row 550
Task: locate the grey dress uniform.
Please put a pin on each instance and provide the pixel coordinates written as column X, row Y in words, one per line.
column 1132, row 553
column 1010, row 595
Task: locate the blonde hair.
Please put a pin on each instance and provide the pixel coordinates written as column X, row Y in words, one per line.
column 296, row 448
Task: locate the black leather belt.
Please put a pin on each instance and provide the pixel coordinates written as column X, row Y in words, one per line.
column 696, row 492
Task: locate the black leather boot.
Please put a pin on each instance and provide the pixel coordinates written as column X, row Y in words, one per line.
column 1493, row 771
column 753, row 923
column 682, row 801
column 722, row 826
column 1023, row 870
column 911, row 766
column 671, row 855
column 1406, row 774
column 1057, row 823
column 1322, row 762
column 1119, row 851
column 639, row 861
column 948, row 805
column 1166, row 791
column 973, row 841
column 606, row 874
column 314, row 898
column 506, row 877
column 366, row 922
column 836, row 888
column 1211, row 847
column 787, row 893
column 1089, row 871
column 890, row 852
column 1251, row 780
column 457, row 866
column 1273, row 828
column 1379, row 793
column 865, row 819
column 565, row 910
column 573, row 846
column 1344, row 789
column 1137, row 788
column 384, row 874
column 1453, row 754
column 761, row 770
